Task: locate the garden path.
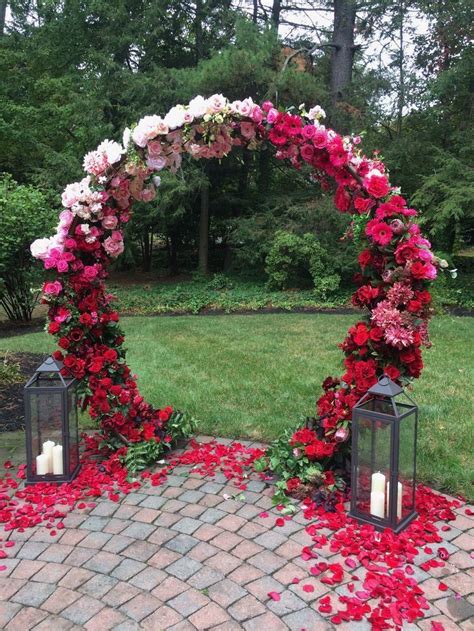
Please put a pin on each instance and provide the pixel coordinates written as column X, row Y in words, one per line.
column 196, row 553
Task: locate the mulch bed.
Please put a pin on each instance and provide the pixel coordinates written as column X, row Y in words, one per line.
column 11, row 395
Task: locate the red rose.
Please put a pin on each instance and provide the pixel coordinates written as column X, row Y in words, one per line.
column 424, row 297
column 342, row 199
column 292, row 484
column 376, row 334
column 110, row 355
column 69, row 361
column 365, row 258
column 85, row 319
column 377, row 185
column 360, row 334
column 392, row 371
column 418, row 270
column 53, row 327
column 414, row 306
column 76, row 334
column 64, row 343
column 405, row 252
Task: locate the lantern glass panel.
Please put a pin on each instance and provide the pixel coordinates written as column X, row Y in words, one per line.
column 374, row 455
column 73, row 431
column 406, row 462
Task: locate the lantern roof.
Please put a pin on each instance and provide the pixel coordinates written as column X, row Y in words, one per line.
column 50, row 365
column 385, row 387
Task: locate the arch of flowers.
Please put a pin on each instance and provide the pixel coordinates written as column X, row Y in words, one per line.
column 396, row 264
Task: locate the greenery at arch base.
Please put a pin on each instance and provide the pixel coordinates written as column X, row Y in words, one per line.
column 396, row 268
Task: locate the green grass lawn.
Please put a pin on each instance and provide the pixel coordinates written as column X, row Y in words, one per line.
column 253, row 376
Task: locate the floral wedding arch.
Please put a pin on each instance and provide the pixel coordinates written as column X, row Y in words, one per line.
column 396, row 264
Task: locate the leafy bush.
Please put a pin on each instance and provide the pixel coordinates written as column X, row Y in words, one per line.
column 24, row 216
column 293, row 260
column 9, row 370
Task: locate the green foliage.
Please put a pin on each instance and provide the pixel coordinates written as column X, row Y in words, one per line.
column 24, row 216
column 292, row 259
column 9, row 370
column 141, row 455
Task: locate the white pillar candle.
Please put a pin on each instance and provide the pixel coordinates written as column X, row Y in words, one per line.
column 377, row 503
column 48, row 451
column 58, row 460
column 378, row 482
column 399, row 499
column 42, row 464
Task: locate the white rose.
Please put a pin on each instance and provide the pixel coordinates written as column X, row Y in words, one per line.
column 40, row 248
column 175, row 117
column 215, row 104
column 127, row 135
column 316, row 112
column 197, row 107
column 112, row 150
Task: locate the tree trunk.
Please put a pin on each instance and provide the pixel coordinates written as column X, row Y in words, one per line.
column 343, row 47
column 173, row 262
column 401, row 72
column 147, row 249
column 198, row 51
column 276, row 10
column 255, row 11
column 204, row 231
column 3, row 10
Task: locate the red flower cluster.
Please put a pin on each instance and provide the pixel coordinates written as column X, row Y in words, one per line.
column 307, row 440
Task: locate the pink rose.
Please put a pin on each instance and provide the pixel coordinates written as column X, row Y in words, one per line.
column 377, row 185
column 272, row 115
column 113, row 247
column 109, row 223
column 53, row 288
column 62, row 266
column 320, row 138
column 257, row 114
column 90, row 272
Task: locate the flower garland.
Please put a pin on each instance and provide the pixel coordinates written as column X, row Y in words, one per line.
column 396, row 264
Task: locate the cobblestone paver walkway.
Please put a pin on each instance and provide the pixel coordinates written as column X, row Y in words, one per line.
column 181, row 557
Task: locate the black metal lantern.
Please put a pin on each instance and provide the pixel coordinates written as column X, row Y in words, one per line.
column 52, row 432
column 383, row 472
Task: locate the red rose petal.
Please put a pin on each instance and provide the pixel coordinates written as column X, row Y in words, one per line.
column 308, row 588
column 443, row 587
column 274, row 596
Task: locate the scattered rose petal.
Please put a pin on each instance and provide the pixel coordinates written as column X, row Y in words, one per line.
column 274, row 596
column 308, row 588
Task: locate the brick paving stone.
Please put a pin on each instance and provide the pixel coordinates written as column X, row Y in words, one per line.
column 79, row 556
column 192, row 510
column 212, row 487
column 140, row 606
column 226, row 592
column 247, row 607
column 289, row 550
column 172, row 492
column 106, row 619
column 60, row 599
column 460, row 583
column 105, row 509
column 26, row 618
column 288, row 603
column 319, row 589
column 457, row 609
column 182, row 543
column 191, row 497
column 184, row 568
column 450, row 534
column 448, row 625
column 205, row 577
column 226, row 541
column 24, row 569
column 146, row 515
column 262, row 586
column 72, row 537
column 127, row 569
column 308, row 619
column 231, row 522
column 148, row 578
column 98, row 585
column 290, row 527
column 167, row 519
column 7, row 612
column 128, row 625
column 251, row 530
column 270, row 540
column 134, row 498
column 51, row 573
column 246, row 549
column 141, row 550
column 187, row 525
column 245, row 573
column 173, row 506
column 73, row 520
column 138, row 530
column 212, row 515
column 75, row 577
column 161, row 536
column 223, row 562
column 56, row 623
column 264, row 503
column 153, row 501
column 464, row 542
column 126, row 511
column 95, row 540
column 249, row 511
column 94, row 523
column 193, row 483
column 56, row 553
column 117, row 543
column 304, row 539
column 162, row 618
column 33, row 594
column 10, row 565
column 82, row 610
column 43, row 535
column 8, row 586
column 207, row 532
column 169, row 588
column 188, row 602
column 184, row 625
column 31, row 550
column 103, row 562
column 462, row 522
column 211, row 501
column 266, row 621
column 288, row 572
column 209, row 616
column 267, row 561
column 163, row 558
column 202, row 551
column 230, row 506
column 115, row 526
column 461, row 559
column 121, row 593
